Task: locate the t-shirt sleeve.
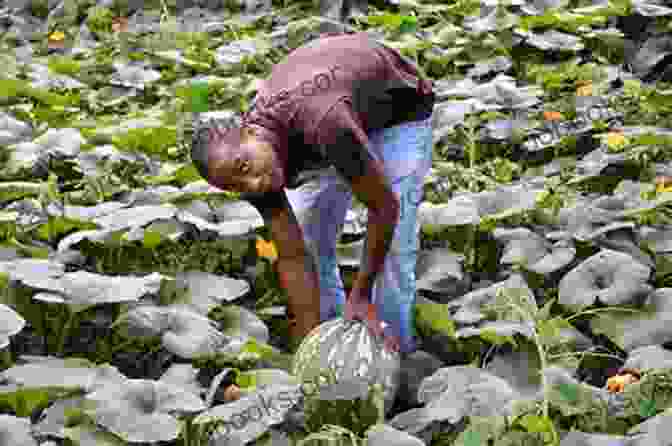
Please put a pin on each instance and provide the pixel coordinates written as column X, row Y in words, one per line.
column 343, row 142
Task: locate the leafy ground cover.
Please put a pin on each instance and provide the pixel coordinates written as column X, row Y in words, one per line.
column 138, row 305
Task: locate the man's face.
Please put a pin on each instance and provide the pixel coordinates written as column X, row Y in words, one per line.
column 252, row 167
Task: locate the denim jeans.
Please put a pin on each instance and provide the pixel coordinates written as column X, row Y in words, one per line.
column 321, row 204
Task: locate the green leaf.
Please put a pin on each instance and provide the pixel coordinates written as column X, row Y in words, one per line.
column 517, row 438
column 13, row 88
column 518, row 296
column 545, row 312
column 60, row 226
column 663, row 271
column 408, row 24
column 570, row 392
column 151, row 239
column 472, row 438
column 88, row 430
column 536, row 423
column 150, row 140
column 487, row 224
column 28, row 250
column 64, row 65
column 647, row 408
column 492, row 337
column 482, row 430
column 17, row 190
column 246, row 380
column 434, row 318
column 199, row 97
column 187, row 174
column 550, row 333
column 24, row 401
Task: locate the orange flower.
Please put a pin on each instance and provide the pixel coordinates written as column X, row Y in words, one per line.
column 266, row 249
column 617, row 383
column 552, row 116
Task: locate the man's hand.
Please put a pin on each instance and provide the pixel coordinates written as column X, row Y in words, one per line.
column 358, row 306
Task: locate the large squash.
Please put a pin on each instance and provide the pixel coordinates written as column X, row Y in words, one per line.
column 348, row 348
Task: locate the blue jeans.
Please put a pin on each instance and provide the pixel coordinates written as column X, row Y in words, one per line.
column 321, row 204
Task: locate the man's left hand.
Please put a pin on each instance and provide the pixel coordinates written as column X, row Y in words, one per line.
column 358, row 306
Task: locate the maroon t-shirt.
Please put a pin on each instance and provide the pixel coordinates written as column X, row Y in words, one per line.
column 319, row 103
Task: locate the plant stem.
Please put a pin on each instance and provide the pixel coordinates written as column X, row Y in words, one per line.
column 472, row 233
column 165, row 14
column 45, row 338
column 186, row 437
column 121, row 346
column 564, row 355
column 6, row 360
column 543, row 364
column 65, row 331
column 601, row 310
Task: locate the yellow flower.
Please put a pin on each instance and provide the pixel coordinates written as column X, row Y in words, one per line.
column 615, row 139
column 660, row 188
column 663, row 184
column 266, row 249
column 585, row 89
column 57, row 36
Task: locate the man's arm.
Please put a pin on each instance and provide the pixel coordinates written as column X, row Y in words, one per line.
column 345, row 144
column 295, row 265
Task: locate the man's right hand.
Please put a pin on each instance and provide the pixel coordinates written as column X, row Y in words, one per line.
column 297, row 270
column 357, row 308
column 298, row 277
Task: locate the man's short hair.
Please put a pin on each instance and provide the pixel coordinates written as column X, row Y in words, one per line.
column 209, row 133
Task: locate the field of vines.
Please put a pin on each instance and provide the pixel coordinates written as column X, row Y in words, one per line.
column 141, row 306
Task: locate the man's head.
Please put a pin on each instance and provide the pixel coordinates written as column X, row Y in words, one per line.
column 237, row 159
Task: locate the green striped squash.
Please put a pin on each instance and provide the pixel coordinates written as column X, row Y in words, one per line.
column 348, row 349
